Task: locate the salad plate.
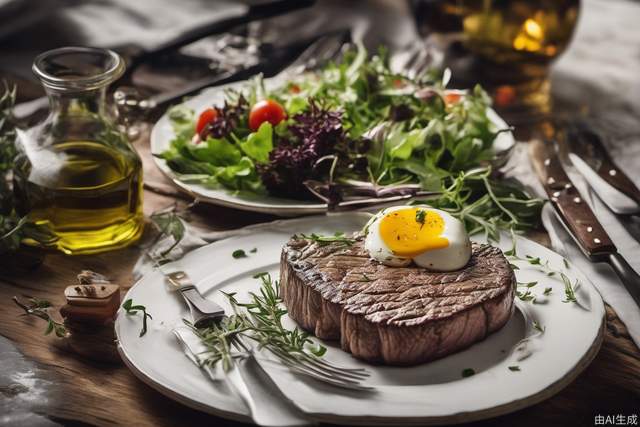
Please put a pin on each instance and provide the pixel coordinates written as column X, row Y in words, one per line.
column 538, row 352
column 163, row 133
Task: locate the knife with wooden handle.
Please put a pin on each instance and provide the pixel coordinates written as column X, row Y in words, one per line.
column 577, row 216
column 590, row 157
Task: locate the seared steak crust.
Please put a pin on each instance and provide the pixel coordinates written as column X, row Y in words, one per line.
column 394, row 316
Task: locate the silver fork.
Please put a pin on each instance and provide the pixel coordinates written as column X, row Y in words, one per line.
column 204, row 311
column 318, row 53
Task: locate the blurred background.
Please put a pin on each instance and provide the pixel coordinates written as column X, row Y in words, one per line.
column 534, row 56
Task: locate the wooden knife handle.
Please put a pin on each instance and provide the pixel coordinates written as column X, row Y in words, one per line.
column 612, row 174
column 574, row 211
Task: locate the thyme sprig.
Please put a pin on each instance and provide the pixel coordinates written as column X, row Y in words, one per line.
column 257, row 322
column 40, row 308
column 337, row 237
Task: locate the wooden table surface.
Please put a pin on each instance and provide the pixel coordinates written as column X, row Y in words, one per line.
column 43, row 383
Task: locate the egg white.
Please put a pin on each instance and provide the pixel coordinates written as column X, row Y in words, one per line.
column 453, row 257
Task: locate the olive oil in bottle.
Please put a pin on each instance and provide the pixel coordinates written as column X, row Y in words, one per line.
column 76, row 173
column 87, row 193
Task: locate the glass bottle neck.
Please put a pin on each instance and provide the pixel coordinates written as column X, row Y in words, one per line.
column 89, row 103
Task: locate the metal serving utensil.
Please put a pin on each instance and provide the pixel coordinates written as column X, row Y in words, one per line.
column 589, row 156
column 577, row 216
column 203, row 311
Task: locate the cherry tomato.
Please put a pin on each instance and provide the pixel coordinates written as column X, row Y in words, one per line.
column 266, row 111
column 398, row 83
column 504, row 96
column 206, row 117
column 294, row 88
column 452, row 98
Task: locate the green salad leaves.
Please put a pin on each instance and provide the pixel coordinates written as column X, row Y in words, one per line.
column 373, row 124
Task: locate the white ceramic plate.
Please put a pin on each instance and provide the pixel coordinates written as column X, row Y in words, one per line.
column 162, row 134
column 433, row 393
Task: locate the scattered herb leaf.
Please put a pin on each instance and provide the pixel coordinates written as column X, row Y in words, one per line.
column 468, row 372
column 239, row 253
column 538, row 327
column 514, row 368
column 40, row 308
column 420, row 217
column 131, row 309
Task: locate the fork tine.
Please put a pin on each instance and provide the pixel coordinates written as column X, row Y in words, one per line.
column 320, row 376
column 343, row 376
column 360, row 372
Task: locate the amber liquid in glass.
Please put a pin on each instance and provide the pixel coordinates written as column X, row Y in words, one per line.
column 519, row 32
column 87, row 193
column 511, row 44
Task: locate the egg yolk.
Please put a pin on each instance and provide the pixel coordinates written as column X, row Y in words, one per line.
column 410, row 232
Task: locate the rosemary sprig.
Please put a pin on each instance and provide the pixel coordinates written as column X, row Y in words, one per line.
column 131, row 309
column 338, row 237
column 14, row 229
column 258, row 321
column 40, row 308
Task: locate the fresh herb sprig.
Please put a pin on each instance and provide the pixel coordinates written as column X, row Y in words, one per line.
column 132, row 309
column 14, row 228
column 40, row 308
column 337, row 237
column 259, row 322
column 487, row 205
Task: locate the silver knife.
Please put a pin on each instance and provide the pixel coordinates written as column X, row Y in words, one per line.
column 577, row 217
column 589, row 156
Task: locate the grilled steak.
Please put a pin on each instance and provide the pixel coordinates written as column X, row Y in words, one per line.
column 394, row 316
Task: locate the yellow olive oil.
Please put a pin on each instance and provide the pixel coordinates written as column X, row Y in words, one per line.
column 87, row 193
